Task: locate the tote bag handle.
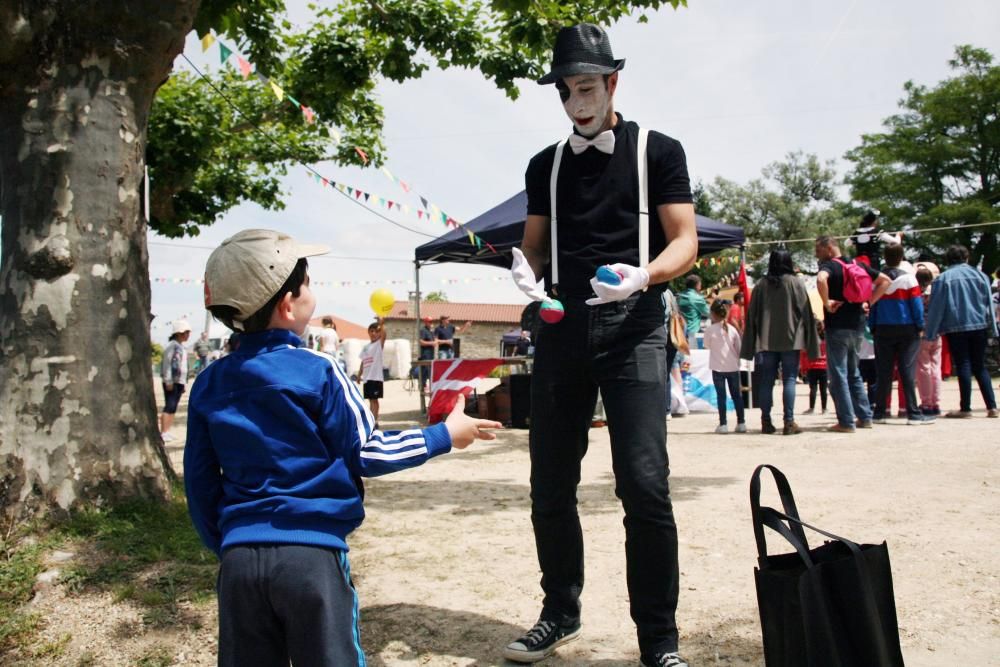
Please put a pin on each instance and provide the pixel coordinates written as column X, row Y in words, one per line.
column 787, row 504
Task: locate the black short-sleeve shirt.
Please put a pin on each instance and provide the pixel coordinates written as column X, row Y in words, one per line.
column 445, row 334
column 597, row 199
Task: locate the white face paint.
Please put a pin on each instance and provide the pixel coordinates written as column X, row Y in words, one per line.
column 587, row 101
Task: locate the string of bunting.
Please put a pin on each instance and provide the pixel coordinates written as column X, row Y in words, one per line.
column 430, row 211
column 717, row 261
column 345, row 283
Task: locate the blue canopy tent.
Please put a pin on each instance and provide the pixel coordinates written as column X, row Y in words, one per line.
column 503, row 227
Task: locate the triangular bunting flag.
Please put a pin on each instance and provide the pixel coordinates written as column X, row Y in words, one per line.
column 224, row 53
column 207, row 41
column 367, row 196
column 293, row 100
column 336, row 134
column 390, row 205
column 363, row 155
column 325, row 182
column 388, row 174
column 424, row 202
column 420, row 214
column 406, row 188
column 472, row 239
column 244, row 66
column 309, row 114
column 357, row 194
column 350, row 190
column 278, row 92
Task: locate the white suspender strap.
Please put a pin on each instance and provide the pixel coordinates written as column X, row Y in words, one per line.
column 553, row 182
column 643, row 198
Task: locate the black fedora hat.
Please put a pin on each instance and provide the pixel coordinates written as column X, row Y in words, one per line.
column 581, row 49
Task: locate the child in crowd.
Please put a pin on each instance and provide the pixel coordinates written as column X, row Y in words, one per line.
column 723, row 342
column 929, row 356
column 815, row 372
column 371, row 371
column 278, row 439
column 866, row 363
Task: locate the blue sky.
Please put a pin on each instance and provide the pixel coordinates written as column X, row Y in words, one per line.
column 739, row 84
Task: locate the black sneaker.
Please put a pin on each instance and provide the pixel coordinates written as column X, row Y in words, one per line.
column 665, row 659
column 541, row 641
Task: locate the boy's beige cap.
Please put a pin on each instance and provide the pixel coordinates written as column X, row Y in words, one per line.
column 250, row 267
column 181, row 325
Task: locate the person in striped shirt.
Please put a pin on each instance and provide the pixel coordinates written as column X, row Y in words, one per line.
column 278, row 441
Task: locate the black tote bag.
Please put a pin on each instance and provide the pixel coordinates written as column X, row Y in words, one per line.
column 829, row 606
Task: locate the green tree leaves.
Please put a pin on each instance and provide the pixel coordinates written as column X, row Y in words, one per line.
column 937, row 162
column 795, row 198
column 205, row 158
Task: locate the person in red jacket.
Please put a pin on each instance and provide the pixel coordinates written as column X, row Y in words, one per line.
column 815, row 372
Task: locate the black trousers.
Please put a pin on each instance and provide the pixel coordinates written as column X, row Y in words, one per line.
column 968, row 354
column 621, row 349
column 817, row 377
column 287, row 602
column 896, row 350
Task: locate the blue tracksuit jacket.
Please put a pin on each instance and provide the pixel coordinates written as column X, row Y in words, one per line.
column 277, row 435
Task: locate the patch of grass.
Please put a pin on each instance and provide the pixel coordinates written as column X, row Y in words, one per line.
column 19, row 565
column 144, row 551
column 157, row 656
column 140, row 532
column 54, row 649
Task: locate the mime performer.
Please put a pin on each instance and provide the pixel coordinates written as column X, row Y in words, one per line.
column 620, row 196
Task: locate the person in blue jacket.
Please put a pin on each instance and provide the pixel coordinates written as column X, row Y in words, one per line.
column 278, row 440
column 960, row 308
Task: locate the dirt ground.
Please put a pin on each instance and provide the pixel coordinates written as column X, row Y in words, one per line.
column 446, row 570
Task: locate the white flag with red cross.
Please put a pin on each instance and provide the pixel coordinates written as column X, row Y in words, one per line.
column 451, row 377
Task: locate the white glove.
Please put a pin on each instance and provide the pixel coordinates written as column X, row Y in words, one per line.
column 524, row 277
column 634, row 278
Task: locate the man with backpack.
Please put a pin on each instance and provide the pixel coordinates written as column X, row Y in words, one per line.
column 844, row 287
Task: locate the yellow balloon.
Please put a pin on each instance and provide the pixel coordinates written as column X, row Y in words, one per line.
column 381, row 302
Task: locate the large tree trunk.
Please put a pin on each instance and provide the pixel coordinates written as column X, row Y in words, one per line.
column 78, row 421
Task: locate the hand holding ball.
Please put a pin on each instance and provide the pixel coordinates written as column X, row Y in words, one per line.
column 608, row 276
column 551, row 311
column 381, row 302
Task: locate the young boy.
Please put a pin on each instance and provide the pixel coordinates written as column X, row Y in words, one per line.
column 277, row 437
column 372, row 366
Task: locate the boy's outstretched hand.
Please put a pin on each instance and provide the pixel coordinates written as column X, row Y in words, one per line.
column 463, row 429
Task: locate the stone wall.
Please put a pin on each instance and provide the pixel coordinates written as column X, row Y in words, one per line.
column 481, row 340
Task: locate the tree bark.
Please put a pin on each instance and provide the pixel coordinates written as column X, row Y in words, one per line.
column 78, row 421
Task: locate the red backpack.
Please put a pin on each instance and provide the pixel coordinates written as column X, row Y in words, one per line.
column 857, row 282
